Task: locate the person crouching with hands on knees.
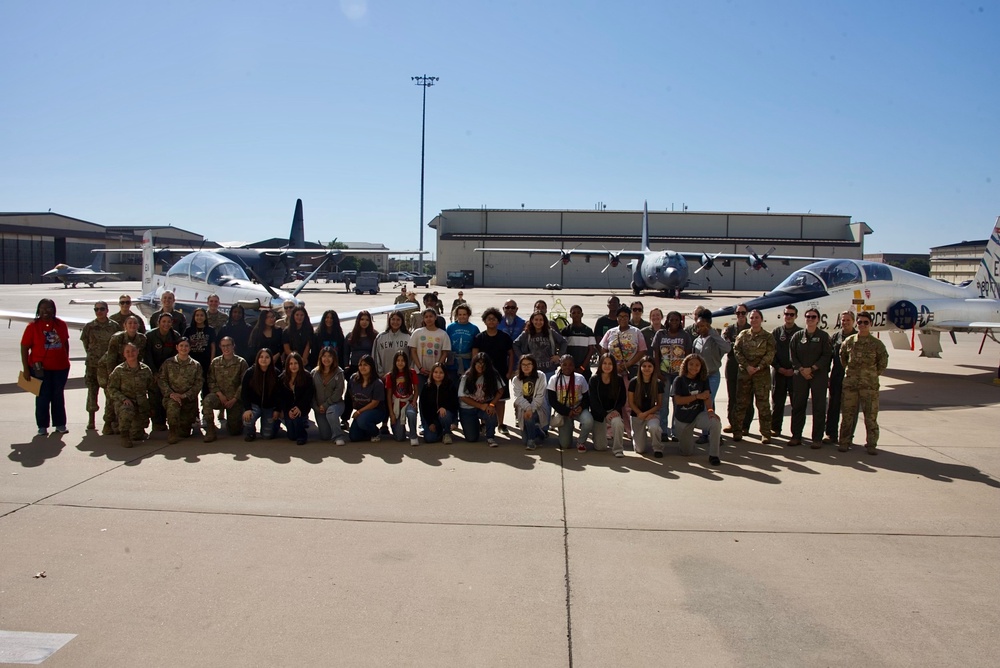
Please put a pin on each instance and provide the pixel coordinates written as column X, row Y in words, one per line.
column 644, row 393
column 479, row 391
column 693, row 408
column 367, row 392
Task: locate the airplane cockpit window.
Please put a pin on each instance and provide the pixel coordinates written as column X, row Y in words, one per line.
column 801, row 282
column 876, row 272
column 200, row 263
column 225, row 272
column 181, row 267
column 837, row 272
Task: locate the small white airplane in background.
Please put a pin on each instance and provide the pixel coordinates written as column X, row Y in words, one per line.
column 71, row 276
column 660, row 271
column 200, row 274
column 900, row 302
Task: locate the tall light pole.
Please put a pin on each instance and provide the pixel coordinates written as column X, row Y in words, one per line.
column 425, row 82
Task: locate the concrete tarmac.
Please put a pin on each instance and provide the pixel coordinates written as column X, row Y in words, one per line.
column 271, row 554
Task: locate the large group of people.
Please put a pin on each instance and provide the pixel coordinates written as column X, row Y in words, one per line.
column 653, row 382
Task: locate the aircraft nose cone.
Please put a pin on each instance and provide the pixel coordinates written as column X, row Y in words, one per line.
column 670, row 275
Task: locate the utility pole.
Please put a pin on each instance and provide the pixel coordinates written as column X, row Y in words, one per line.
column 425, row 82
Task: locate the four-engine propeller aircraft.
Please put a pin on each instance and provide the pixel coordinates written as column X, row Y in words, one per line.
column 659, row 271
column 202, row 273
column 71, row 276
column 900, row 302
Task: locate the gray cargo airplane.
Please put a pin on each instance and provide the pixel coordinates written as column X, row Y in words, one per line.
column 71, row 276
column 659, row 271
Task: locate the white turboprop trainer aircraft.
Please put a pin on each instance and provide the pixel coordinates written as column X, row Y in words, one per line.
column 200, row 274
column 659, row 271
column 900, row 302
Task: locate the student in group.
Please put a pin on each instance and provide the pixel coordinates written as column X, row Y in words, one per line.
column 712, row 347
column 328, row 397
column 429, row 345
column 361, row 340
column 266, row 334
column 297, row 391
column 237, row 328
column 161, row 345
column 286, row 319
column 670, row 346
column 401, row 398
column 367, row 393
column 298, row 335
column 500, row 348
column 462, row 333
column 510, row 324
column 636, row 320
column 330, row 334
column 645, row 392
column 543, row 343
column 202, row 338
column 530, row 406
column 395, row 339
column 261, row 394
column 567, row 393
column 478, row 393
column 655, row 325
column 694, row 407
column 438, row 406
column 45, row 355
column 580, row 341
column 608, row 395
column 609, row 320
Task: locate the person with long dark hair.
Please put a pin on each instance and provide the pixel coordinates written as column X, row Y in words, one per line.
column 261, row 393
column 608, row 395
column 694, row 408
column 567, row 392
column 298, row 336
column 45, row 355
column 546, row 345
column 367, row 394
column 238, row 330
column 361, row 340
column 330, row 334
column 645, row 392
column 267, row 334
column 202, row 338
column 328, row 400
column 401, row 398
column 479, row 391
column 394, row 339
column 297, row 393
column 438, row 406
column 530, row 409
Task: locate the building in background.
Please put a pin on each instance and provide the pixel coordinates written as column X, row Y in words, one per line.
column 957, row 263
column 461, row 231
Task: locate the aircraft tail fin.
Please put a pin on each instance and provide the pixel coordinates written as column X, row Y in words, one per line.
column 98, row 263
column 297, row 235
column 645, row 228
column 148, row 262
column 988, row 275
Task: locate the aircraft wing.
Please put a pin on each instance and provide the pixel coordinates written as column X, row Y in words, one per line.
column 743, row 256
column 564, row 251
column 346, row 315
column 955, row 324
column 71, row 322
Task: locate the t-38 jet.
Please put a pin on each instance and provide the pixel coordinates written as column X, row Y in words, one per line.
column 71, row 276
column 658, row 271
column 905, row 304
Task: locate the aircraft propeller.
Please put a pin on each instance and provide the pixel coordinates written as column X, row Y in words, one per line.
column 756, row 262
column 614, row 259
column 708, row 262
column 564, row 256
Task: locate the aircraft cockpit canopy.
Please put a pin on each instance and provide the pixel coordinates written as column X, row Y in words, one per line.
column 821, row 276
column 207, row 267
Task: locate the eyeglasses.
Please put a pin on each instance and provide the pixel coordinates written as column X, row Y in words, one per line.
column 124, row 303
column 289, row 308
column 812, row 317
column 98, row 309
column 509, row 308
column 636, row 310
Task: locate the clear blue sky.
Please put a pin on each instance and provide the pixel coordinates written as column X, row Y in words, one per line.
column 216, row 116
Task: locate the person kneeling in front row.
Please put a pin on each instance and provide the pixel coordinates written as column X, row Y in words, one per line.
column 693, row 408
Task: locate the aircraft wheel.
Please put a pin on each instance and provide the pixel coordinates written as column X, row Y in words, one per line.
column 635, row 289
column 90, row 284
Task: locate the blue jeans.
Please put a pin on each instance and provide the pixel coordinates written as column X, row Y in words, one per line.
column 366, row 426
column 714, row 379
column 399, row 426
column 329, row 422
column 530, row 429
column 470, row 417
column 297, row 428
column 52, row 394
column 442, row 424
column 268, row 425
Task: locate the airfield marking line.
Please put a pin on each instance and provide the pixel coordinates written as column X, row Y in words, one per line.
column 77, row 484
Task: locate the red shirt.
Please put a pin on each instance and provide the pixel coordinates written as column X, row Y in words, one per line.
column 48, row 343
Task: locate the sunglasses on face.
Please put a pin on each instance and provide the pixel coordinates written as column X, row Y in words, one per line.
column 811, row 317
column 741, row 313
column 636, row 310
column 124, row 303
column 789, row 315
column 98, row 309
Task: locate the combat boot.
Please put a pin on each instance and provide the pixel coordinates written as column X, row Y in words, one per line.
column 209, row 432
column 126, row 441
column 172, row 435
column 90, row 422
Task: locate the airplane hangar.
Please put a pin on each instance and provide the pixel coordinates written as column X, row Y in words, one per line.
column 461, row 231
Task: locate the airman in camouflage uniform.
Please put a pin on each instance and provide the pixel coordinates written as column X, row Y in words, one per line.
column 115, row 355
column 95, row 337
column 225, row 387
column 216, row 318
column 129, row 387
column 754, row 350
column 180, row 384
column 161, row 345
column 865, row 359
column 124, row 313
column 167, row 301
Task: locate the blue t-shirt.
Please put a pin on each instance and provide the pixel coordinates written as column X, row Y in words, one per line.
column 461, row 343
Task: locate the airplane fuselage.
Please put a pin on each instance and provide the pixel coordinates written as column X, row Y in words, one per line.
column 660, row 271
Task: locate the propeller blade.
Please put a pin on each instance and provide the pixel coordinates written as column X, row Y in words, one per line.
column 311, row 276
column 254, row 276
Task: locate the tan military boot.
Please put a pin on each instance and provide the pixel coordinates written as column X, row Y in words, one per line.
column 209, row 433
column 126, row 441
column 172, row 435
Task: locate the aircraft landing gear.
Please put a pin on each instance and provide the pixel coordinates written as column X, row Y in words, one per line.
column 636, row 289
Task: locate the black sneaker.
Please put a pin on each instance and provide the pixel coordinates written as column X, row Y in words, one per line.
column 714, row 461
column 658, row 454
column 250, row 437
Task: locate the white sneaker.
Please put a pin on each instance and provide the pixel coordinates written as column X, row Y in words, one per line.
column 376, row 439
column 414, row 441
column 446, row 439
column 492, row 442
column 340, row 441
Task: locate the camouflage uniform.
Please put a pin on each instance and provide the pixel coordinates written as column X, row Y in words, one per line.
column 225, row 376
column 115, row 354
column 756, row 350
column 184, row 378
column 836, row 388
column 864, row 360
column 121, row 317
column 732, row 371
column 217, row 320
column 134, row 385
column 95, row 337
column 159, row 349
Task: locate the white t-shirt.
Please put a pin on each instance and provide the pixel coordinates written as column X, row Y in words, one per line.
column 569, row 392
column 429, row 347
